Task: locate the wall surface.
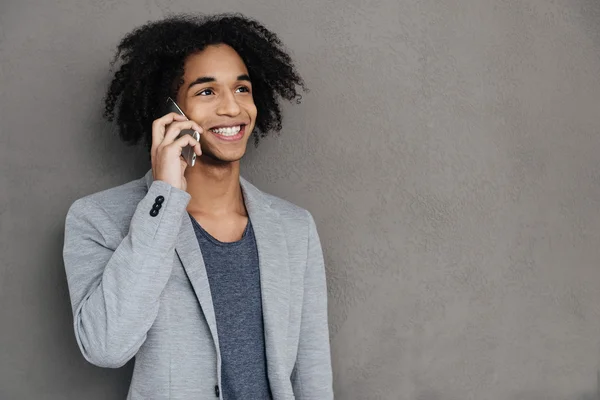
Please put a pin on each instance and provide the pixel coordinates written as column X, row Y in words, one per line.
column 448, row 151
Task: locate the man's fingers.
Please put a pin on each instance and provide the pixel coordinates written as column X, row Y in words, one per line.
column 159, row 126
column 175, row 128
column 185, row 140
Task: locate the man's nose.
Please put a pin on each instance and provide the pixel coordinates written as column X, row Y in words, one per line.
column 228, row 105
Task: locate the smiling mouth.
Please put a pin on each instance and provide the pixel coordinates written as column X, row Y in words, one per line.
column 230, row 134
column 228, row 131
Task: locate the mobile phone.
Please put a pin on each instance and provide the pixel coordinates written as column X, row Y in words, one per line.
column 188, row 152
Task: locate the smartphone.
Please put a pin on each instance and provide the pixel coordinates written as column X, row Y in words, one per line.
column 188, row 152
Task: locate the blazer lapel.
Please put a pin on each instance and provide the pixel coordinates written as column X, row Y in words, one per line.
column 188, row 250
column 275, row 283
column 274, row 279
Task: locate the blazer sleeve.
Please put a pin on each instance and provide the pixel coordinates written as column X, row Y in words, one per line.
column 312, row 375
column 115, row 284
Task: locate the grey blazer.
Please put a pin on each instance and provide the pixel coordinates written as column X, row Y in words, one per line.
column 139, row 288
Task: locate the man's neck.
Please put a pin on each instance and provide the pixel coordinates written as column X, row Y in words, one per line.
column 215, row 189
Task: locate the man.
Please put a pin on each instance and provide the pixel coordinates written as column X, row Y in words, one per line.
column 216, row 288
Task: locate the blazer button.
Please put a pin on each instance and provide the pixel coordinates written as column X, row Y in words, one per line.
column 153, row 212
column 217, row 391
column 159, row 199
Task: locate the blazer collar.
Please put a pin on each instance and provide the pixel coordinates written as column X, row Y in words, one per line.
column 274, row 278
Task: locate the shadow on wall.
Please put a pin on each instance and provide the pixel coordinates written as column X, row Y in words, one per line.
column 590, row 397
column 522, row 396
column 108, row 160
column 590, row 9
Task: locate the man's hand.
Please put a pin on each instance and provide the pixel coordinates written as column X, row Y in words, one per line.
column 167, row 163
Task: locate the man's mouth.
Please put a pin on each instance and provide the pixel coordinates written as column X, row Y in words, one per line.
column 229, row 133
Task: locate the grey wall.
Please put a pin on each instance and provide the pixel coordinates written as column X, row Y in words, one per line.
column 448, row 151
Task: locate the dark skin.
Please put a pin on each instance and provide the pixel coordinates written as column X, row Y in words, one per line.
column 217, row 92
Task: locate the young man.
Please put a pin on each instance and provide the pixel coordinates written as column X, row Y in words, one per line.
column 217, row 288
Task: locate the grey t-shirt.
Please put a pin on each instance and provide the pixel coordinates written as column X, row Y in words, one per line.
column 234, row 278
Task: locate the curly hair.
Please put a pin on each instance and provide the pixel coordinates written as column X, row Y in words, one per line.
column 152, row 68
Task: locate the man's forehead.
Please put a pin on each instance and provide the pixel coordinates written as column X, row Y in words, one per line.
column 219, row 65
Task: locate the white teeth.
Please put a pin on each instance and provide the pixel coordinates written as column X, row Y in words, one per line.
column 231, row 131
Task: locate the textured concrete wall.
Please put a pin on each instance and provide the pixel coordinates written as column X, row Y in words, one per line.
column 448, row 150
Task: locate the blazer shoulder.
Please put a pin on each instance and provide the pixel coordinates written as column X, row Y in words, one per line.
column 286, row 208
column 118, row 202
column 296, row 218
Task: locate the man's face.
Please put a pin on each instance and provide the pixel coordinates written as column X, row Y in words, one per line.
column 217, row 94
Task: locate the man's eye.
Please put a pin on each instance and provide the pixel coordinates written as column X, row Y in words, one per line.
column 205, row 92
column 243, row 89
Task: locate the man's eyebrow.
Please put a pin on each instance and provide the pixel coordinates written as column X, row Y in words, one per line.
column 201, row 80
column 207, row 79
